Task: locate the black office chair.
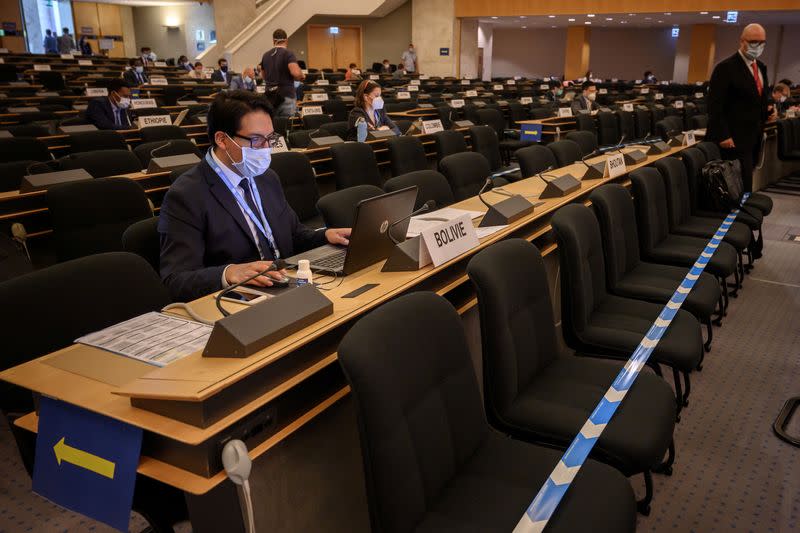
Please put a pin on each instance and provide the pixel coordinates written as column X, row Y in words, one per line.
column 517, row 112
column 162, row 133
column 760, row 201
column 585, row 139
column 630, row 277
column 102, row 163
column 485, row 142
column 89, row 217
column 338, row 209
column 151, row 112
column 566, row 152
column 598, row 323
column 643, row 123
column 657, row 113
column 165, row 149
column 11, row 174
column 448, row 142
column 354, row 164
column 607, row 128
column 535, row 159
column 338, row 128
column 466, row 173
column 142, row 238
column 336, row 109
column 627, row 125
column 313, row 122
column 431, row 461
column 298, row 138
column 299, row 185
column 122, row 286
column 668, row 127
column 407, row 154
column 585, row 122
column 28, row 130
column 23, row 149
column 90, row 141
column 507, row 143
column 430, row 184
column 698, row 122
column 535, row 393
column 52, row 80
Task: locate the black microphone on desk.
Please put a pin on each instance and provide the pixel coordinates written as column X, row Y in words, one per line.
column 44, row 164
column 427, row 206
column 558, row 186
column 278, row 264
column 158, row 148
column 505, row 211
column 405, row 256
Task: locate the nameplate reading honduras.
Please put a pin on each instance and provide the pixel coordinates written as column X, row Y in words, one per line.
column 415, row 82
column 412, row 88
column 450, row 239
column 319, row 97
column 311, row 110
column 96, row 91
column 526, row 100
column 322, row 82
column 457, row 102
column 85, row 62
column 403, row 95
column 497, row 87
column 41, row 68
column 345, row 89
column 279, row 145
column 658, row 96
column 154, row 120
column 143, row 103
column 159, row 81
column 627, row 107
column 564, row 111
column 432, row 126
column 471, row 94
column 615, row 166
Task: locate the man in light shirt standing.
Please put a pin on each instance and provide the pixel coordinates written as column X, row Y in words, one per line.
column 409, row 59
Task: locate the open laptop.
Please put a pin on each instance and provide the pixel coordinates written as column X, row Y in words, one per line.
column 369, row 241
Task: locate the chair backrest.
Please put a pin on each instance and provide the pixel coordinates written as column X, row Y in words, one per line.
column 534, row 159
column 583, row 276
column 407, row 154
column 299, row 139
column 175, row 147
column 403, row 124
column 656, row 114
column 52, row 81
column 355, row 164
column 650, row 199
column 103, row 163
column 338, row 209
column 668, row 127
column 608, row 128
column 492, row 118
column 449, row 142
column 298, row 181
column 486, row 143
column 613, row 207
column 585, row 122
column 585, row 139
column 142, row 238
column 418, row 403
column 23, row 148
column 566, row 152
column 466, row 172
column 676, row 183
column 445, row 113
column 11, row 174
column 517, row 112
column 698, row 122
column 338, row 128
column 89, row 217
column 312, row 122
column 517, row 324
column 336, row 109
column 627, row 125
column 541, row 112
column 710, row 150
column 89, row 141
column 430, row 184
column 643, row 123
column 28, row 130
column 162, row 133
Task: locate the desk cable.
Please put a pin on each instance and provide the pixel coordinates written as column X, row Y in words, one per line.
column 237, row 465
column 189, row 311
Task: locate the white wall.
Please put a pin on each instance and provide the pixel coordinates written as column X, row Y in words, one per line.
column 626, row 54
column 683, row 49
column 151, row 31
column 469, row 49
column 530, row 53
column 485, row 41
column 728, row 42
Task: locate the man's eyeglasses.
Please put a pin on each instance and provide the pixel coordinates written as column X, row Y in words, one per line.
column 259, row 141
column 756, row 43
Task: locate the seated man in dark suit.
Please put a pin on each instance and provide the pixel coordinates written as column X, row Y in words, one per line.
column 227, row 219
column 111, row 112
column 586, row 101
column 136, row 76
column 222, row 74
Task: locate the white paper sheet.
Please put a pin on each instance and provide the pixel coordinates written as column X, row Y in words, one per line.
column 420, row 223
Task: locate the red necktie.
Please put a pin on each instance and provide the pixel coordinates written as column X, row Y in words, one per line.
column 759, row 87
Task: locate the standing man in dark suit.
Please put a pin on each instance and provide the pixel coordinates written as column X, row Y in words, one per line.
column 227, row 219
column 586, row 101
column 136, row 76
column 111, row 112
column 737, row 102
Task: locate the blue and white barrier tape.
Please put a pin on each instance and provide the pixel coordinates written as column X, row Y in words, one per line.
column 504, row 172
column 546, row 501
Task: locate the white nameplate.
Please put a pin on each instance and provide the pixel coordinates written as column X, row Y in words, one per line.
column 344, row 89
column 403, row 95
column 564, row 111
column 471, row 94
column 627, row 107
column 374, row 77
column 450, row 239
column 497, row 87
column 415, row 82
column 526, row 100
column 688, row 138
column 615, row 166
column 602, row 90
column 678, row 104
column 544, row 87
column 143, row 103
column 67, row 56
column 545, row 79
column 310, row 110
column 511, row 82
column 322, row 82
column 464, row 82
column 319, row 97
column 432, row 126
column 85, row 62
column 458, row 102
column 159, row 81
column 304, row 70
column 154, row 120
column 96, row 91
column 637, row 82
column 41, row 68
column 644, row 90
column 698, row 95
column 424, row 77
column 160, row 64
column 614, row 80
column 517, row 78
column 791, row 113
column 279, row 145
column 412, row 88
column 698, row 83
column 261, row 89
column 658, row 96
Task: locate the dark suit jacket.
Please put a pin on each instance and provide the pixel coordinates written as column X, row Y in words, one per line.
column 382, row 120
column 130, row 78
column 583, row 104
column 203, row 230
column 217, row 76
column 100, row 113
column 734, row 107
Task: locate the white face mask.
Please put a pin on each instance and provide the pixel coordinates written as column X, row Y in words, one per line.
column 783, row 98
column 592, row 97
column 754, row 51
column 377, row 103
column 255, row 161
column 124, row 103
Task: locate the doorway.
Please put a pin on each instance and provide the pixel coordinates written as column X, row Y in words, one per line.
column 333, row 47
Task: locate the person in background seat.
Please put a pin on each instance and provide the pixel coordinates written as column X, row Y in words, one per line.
column 586, row 101
column 368, row 106
column 111, row 112
column 246, row 81
column 136, row 76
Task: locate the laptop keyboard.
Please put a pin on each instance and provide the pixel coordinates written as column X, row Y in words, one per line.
column 334, row 261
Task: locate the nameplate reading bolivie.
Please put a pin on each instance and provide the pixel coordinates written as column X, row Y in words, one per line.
column 450, row 239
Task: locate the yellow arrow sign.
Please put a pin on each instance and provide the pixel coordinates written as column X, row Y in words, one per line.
column 93, row 463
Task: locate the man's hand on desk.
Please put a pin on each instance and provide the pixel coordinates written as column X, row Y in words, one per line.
column 727, row 143
column 338, row 236
column 237, row 273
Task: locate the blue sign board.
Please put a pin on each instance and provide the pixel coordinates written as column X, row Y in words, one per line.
column 531, row 132
column 86, row 462
column 444, row 51
column 731, row 17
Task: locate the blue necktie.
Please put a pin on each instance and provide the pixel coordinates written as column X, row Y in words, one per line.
column 116, row 117
column 263, row 242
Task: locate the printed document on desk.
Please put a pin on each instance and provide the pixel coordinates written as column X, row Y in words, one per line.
column 153, row 338
column 420, row 223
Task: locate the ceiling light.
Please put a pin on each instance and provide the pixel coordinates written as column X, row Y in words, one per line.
column 704, row 12
column 590, row 15
column 551, row 16
column 494, row 18
column 571, row 20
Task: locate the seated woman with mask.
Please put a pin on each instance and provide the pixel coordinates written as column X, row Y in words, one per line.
column 368, row 107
